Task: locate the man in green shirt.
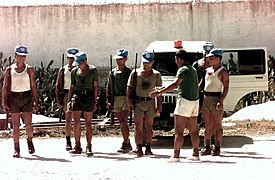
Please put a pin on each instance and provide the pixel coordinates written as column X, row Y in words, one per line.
column 187, row 107
column 120, row 75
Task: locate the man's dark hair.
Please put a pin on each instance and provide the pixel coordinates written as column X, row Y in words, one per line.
column 182, row 54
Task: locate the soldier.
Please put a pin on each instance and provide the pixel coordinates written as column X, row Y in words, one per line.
column 82, row 98
column 120, row 75
column 200, row 67
column 215, row 92
column 66, row 70
column 19, row 97
column 147, row 79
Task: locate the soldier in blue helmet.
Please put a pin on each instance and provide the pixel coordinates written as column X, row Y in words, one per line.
column 82, row 98
column 215, row 92
column 120, row 74
column 147, row 79
column 19, row 96
column 66, row 70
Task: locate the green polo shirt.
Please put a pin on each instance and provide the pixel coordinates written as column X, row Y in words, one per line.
column 86, row 82
column 120, row 80
column 188, row 88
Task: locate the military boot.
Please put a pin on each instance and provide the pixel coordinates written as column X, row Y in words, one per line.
column 138, row 150
column 89, row 150
column 206, row 151
column 148, row 149
column 216, row 151
column 16, row 153
column 30, row 146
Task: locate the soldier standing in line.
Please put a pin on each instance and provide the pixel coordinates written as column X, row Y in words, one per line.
column 19, row 96
column 215, row 92
column 147, row 79
column 82, row 98
column 66, row 70
column 120, row 75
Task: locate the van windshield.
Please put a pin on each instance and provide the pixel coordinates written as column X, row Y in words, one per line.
column 165, row 62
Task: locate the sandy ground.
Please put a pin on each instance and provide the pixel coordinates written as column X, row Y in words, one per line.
column 247, row 153
column 246, row 158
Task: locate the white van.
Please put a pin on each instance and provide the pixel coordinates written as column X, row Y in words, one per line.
column 247, row 67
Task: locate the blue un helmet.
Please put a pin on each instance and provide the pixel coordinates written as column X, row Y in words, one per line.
column 147, row 56
column 207, row 47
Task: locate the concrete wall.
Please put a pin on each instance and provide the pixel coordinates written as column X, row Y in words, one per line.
column 99, row 30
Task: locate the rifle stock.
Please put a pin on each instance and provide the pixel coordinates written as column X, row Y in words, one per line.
column 61, row 90
column 133, row 90
column 111, row 92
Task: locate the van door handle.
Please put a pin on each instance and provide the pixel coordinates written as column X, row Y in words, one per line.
column 259, row 77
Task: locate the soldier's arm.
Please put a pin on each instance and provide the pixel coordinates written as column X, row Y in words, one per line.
column 225, row 81
column 33, row 87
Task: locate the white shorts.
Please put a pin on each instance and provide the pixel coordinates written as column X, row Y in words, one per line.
column 187, row 108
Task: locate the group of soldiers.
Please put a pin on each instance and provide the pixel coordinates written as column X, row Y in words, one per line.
column 139, row 89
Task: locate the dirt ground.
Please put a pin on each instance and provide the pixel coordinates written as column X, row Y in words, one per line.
column 234, row 128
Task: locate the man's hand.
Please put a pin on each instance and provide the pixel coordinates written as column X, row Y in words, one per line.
column 159, row 109
column 109, row 106
column 154, row 94
column 130, row 104
column 60, row 106
column 35, row 107
column 5, row 108
column 219, row 106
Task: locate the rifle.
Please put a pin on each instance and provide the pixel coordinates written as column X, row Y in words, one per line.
column 133, row 91
column 8, row 92
column 61, row 90
column 111, row 92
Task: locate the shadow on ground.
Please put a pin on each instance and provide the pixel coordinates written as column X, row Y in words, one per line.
column 227, row 142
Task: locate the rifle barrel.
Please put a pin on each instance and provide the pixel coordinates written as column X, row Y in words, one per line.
column 61, row 90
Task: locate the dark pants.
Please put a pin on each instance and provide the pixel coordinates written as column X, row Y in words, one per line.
column 83, row 101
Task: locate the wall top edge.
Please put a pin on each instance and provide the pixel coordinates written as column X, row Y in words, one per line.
column 25, row 3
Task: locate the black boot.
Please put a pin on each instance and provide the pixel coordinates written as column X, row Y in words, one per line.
column 68, row 143
column 89, row 150
column 206, row 151
column 138, row 150
column 30, row 146
column 77, row 149
column 16, row 153
column 148, row 149
column 125, row 148
column 216, row 151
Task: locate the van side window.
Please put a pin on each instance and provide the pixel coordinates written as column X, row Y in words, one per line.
column 244, row 62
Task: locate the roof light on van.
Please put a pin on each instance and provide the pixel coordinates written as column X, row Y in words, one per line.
column 178, row 44
column 208, row 46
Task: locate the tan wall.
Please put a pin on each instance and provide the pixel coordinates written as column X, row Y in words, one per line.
column 100, row 30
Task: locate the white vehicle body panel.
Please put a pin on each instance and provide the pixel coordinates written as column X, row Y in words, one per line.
column 239, row 85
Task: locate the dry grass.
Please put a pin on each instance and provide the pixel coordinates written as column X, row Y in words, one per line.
column 236, row 128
